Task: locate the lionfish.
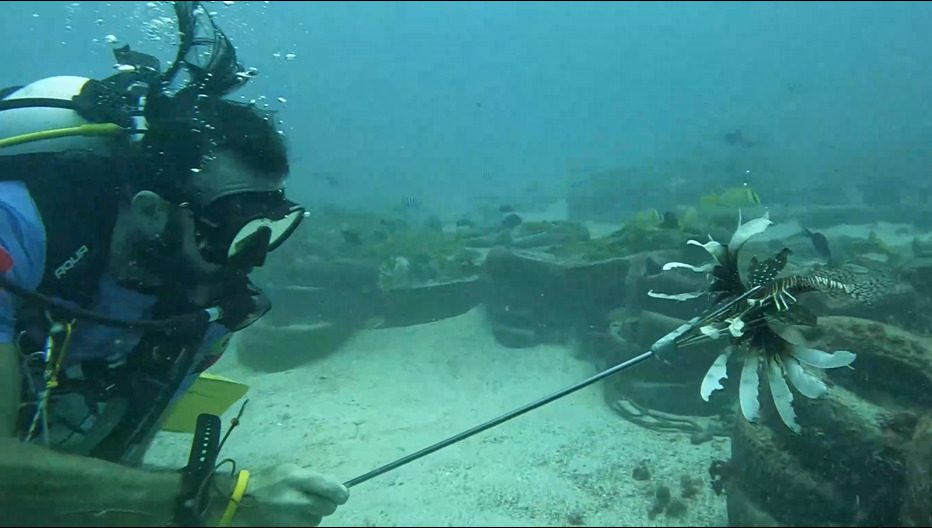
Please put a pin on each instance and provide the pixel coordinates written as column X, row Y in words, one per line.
column 758, row 318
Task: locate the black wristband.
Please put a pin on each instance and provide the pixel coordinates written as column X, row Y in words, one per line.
column 191, row 502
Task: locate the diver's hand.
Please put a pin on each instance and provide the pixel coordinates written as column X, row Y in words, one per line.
column 290, row 495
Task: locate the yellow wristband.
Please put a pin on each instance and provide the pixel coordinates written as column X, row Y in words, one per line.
column 238, row 491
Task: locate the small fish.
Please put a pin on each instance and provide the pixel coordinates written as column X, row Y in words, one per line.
column 465, row 222
column 820, row 243
column 737, row 138
column 409, row 206
column 411, row 201
column 742, row 196
column 506, row 209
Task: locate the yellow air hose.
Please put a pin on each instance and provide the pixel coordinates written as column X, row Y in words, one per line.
column 92, row 129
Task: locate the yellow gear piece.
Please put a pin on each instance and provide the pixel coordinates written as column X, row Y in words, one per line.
column 211, row 394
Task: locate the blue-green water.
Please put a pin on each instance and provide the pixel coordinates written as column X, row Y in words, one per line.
column 446, row 101
column 407, row 308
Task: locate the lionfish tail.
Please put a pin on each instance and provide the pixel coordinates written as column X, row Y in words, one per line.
column 865, row 287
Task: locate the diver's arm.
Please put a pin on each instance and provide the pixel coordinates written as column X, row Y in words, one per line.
column 39, row 486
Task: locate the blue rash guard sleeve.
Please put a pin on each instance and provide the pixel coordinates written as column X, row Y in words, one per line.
column 22, row 250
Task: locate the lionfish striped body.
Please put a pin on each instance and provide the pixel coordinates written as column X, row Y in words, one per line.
column 761, row 324
column 783, row 291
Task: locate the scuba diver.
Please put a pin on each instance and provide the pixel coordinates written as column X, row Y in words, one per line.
column 132, row 210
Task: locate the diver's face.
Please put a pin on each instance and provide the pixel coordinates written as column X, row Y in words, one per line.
column 161, row 243
column 238, row 214
column 174, row 246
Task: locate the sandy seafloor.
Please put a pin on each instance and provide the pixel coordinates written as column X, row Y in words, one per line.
column 389, row 392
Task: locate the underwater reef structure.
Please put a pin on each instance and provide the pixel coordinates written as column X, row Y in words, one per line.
column 350, row 271
column 864, row 457
column 562, row 287
column 534, row 297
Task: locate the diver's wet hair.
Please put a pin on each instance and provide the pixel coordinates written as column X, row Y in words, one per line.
column 186, row 131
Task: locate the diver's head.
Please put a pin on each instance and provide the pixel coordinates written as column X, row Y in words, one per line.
column 210, row 189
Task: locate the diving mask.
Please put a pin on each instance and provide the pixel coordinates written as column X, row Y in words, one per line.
column 240, row 229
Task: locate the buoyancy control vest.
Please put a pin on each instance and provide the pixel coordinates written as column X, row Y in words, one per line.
column 76, row 198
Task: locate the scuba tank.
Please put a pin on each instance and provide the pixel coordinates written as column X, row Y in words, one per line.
column 69, row 113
